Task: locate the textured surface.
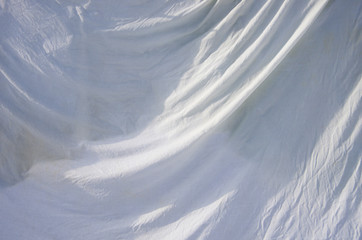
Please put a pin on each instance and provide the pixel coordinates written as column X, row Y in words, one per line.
column 180, row 119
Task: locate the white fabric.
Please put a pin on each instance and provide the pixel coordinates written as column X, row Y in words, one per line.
column 167, row 119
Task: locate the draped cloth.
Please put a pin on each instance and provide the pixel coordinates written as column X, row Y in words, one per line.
column 165, row 119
